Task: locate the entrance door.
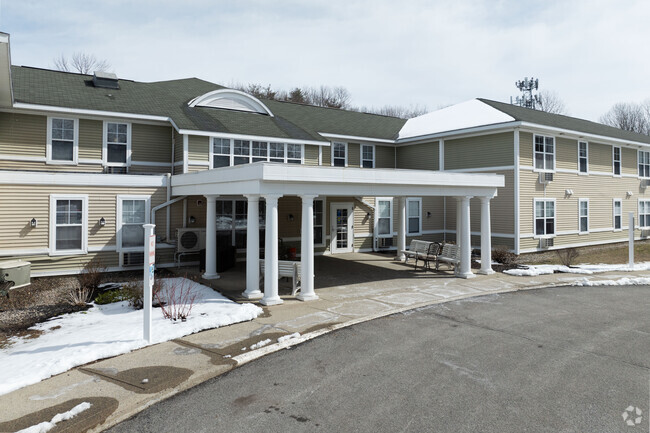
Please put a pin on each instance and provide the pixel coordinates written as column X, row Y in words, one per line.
column 342, row 230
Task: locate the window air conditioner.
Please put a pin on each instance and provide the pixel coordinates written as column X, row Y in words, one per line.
column 133, row 259
column 546, row 242
column 545, row 178
column 116, row 170
column 190, row 240
column 385, row 242
column 645, row 183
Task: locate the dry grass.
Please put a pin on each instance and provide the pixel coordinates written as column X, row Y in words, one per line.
column 612, row 253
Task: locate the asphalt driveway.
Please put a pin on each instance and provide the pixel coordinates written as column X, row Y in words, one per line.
column 568, row 359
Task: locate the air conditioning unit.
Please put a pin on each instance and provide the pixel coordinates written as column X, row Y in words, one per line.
column 385, row 242
column 133, row 259
column 645, row 183
column 545, row 178
column 190, row 240
column 16, row 271
column 116, row 170
column 546, row 242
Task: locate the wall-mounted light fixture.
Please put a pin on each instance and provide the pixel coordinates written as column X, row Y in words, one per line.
column 629, row 193
column 33, row 222
column 290, row 217
column 428, row 214
column 192, row 220
column 568, row 192
column 368, row 215
column 102, row 222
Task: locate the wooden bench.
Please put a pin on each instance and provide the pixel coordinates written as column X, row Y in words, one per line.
column 288, row 269
column 418, row 250
column 450, row 254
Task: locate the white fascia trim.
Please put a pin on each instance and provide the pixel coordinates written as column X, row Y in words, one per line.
column 90, row 161
column 186, row 151
column 483, row 169
column 493, row 234
column 363, row 235
column 198, row 163
column 583, row 136
column 466, row 131
column 101, row 248
column 517, row 180
column 356, row 138
column 252, row 137
column 22, row 158
column 117, row 114
column 581, row 244
column 24, row 252
column 81, row 179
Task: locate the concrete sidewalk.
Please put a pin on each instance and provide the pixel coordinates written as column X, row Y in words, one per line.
column 121, row 386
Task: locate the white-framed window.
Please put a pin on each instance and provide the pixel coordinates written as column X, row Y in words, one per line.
column 226, row 152
column 644, row 163
column 616, row 160
column 414, row 216
column 232, row 222
column 644, row 213
column 544, row 153
column 544, row 217
column 339, row 154
column 583, row 157
column 319, row 222
column 62, row 140
column 384, row 217
column 617, row 210
column 367, row 156
column 117, row 144
column 68, row 224
column 132, row 213
column 221, row 152
column 583, row 215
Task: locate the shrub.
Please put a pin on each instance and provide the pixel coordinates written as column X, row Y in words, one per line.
column 502, row 255
column 177, row 299
column 110, row 296
column 80, row 296
column 133, row 293
column 567, row 256
column 91, row 275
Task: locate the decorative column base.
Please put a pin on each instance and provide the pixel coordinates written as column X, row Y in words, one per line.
column 307, row 297
column 467, row 275
column 486, row 272
column 210, row 276
column 271, row 301
column 253, row 295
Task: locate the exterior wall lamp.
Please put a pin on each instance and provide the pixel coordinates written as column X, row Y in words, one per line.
column 290, row 217
column 33, row 223
column 192, row 220
column 428, row 214
column 102, row 222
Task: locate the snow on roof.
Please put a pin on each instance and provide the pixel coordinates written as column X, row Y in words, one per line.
column 467, row 114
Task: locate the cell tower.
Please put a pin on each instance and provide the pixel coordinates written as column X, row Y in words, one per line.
column 527, row 99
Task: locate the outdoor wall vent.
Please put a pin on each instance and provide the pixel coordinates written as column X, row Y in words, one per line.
column 105, row 80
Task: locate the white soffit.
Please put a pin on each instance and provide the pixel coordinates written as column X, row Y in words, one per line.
column 469, row 114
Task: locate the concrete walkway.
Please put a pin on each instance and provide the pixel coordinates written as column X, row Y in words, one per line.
column 375, row 286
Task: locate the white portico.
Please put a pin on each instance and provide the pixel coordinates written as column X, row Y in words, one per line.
column 271, row 181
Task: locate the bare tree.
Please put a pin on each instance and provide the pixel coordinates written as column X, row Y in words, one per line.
column 629, row 116
column 397, row 111
column 81, row 62
column 550, row 102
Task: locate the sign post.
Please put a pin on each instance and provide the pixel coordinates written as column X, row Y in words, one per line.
column 631, row 233
column 147, row 283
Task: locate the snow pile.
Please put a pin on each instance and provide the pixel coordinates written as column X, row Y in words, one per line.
column 46, row 426
column 289, row 337
column 260, row 344
column 534, row 270
column 109, row 330
column 620, row 282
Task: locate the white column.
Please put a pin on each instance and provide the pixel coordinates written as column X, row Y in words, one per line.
column 401, row 229
column 271, row 296
column 307, row 292
column 486, row 238
column 253, row 249
column 211, row 238
column 465, row 240
column 459, row 221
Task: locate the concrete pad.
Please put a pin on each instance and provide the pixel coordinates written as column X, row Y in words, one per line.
column 309, row 321
column 360, row 308
column 220, row 338
column 407, row 298
column 451, row 292
column 284, row 312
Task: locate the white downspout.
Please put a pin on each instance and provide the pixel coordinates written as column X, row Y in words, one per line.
column 160, row 206
column 168, row 216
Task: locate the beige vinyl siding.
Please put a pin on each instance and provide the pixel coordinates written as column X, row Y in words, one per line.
column 176, row 220
column 384, row 157
column 41, row 166
column 178, row 146
column 364, row 216
column 22, row 134
column 364, row 244
column 91, row 139
column 629, row 161
column 70, row 264
column 600, row 157
column 423, row 156
column 435, row 205
column 311, row 154
column 151, row 143
column 494, row 150
column 198, row 148
column 566, row 153
column 354, row 155
column 20, row 203
column 526, row 149
column 289, row 217
column 327, row 155
column 194, row 168
column 148, row 169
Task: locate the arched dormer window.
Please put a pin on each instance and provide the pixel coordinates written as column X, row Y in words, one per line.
column 229, row 99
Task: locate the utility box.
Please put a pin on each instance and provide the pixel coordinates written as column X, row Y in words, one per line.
column 17, row 271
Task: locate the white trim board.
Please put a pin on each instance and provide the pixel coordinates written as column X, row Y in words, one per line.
column 82, row 179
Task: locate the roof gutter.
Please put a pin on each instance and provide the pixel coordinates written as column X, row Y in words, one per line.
column 579, row 134
column 445, row 134
column 356, row 138
column 252, row 137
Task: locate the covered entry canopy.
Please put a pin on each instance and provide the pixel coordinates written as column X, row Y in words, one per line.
column 274, row 180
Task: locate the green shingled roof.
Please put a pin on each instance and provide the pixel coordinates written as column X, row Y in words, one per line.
column 565, row 122
column 170, row 99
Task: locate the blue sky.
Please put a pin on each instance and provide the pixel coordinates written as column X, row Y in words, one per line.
column 433, row 53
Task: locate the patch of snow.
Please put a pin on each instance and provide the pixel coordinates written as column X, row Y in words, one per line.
column 109, row 330
column 46, row 426
column 288, row 337
column 625, row 281
column 467, row 114
column 534, row 270
column 260, row 344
